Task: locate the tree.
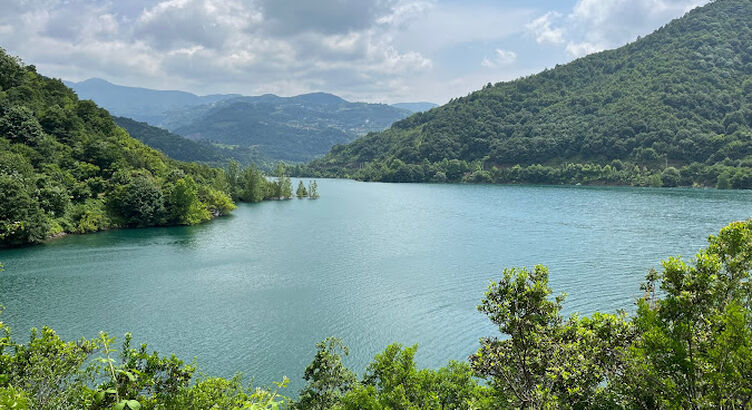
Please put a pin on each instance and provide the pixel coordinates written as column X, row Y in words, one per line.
column 670, row 177
column 724, row 180
column 547, row 362
column 392, row 381
column 19, row 124
column 328, row 379
column 45, row 369
column 694, row 348
column 254, row 184
column 139, row 202
column 279, row 170
column 218, row 202
column 21, row 218
column 48, row 373
column 284, row 188
column 234, row 177
column 520, row 307
column 183, row 205
column 301, row 192
column 313, row 190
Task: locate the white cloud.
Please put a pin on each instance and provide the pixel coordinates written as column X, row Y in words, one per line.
column 219, row 45
column 543, row 30
column 501, row 58
column 595, row 25
column 584, row 48
column 374, row 50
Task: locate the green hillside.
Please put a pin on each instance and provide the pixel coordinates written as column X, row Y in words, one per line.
column 672, row 108
column 183, row 149
column 66, row 167
column 295, row 129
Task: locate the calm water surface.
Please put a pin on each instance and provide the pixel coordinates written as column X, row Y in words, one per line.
column 370, row 263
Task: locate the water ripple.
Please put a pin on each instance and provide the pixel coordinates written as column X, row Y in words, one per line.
column 370, row 263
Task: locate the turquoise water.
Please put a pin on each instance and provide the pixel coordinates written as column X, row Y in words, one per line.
column 370, row 263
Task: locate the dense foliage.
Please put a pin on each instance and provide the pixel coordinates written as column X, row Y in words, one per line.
column 689, row 345
column 65, row 166
column 183, row 149
column 672, row 108
column 49, row 373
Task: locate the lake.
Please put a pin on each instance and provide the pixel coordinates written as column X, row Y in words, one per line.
column 369, row 263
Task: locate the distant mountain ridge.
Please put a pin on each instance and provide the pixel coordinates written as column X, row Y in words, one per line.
column 672, row 108
column 182, row 149
column 295, row 129
column 142, row 104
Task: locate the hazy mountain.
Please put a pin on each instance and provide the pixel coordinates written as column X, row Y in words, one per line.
column 296, row 128
column 283, row 128
column 142, row 104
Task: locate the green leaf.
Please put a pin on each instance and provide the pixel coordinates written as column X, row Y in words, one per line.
column 134, row 404
column 130, row 376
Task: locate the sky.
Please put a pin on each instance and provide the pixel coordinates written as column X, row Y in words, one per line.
column 383, row 51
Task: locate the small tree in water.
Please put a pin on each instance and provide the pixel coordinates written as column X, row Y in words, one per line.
column 285, row 188
column 313, row 190
column 301, row 192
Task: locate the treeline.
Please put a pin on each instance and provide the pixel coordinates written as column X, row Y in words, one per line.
column 724, row 175
column 251, row 185
column 679, row 97
column 689, row 345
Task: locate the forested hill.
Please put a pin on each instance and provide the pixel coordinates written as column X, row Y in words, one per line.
column 183, row 149
column 672, row 108
column 296, row 128
column 65, row 166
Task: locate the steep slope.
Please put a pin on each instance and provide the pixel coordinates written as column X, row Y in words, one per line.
column 678, row 98
column 284, row 128
column 183, row 149
column 65, row 166
column 142, row 104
